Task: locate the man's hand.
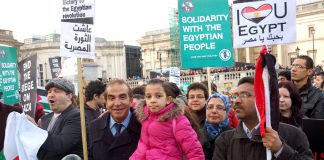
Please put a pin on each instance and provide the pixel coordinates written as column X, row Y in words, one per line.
column 271, row 140
column 31, row 119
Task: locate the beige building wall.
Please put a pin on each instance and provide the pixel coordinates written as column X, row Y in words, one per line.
column 155, row 44
column 6, row 38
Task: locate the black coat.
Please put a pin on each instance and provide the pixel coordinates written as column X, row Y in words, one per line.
column 65, row 136
column 235, row 145
column 313, row 101
column 104, row 146
column 208, row 143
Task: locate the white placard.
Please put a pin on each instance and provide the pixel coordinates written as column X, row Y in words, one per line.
column 264, row 23
column 174, row 75
column 77, row 29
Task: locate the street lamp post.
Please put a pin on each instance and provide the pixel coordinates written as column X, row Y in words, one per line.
column 297, row 51
column 161, row 62
column 45, row 72
column 313, row 33
column 141, row 66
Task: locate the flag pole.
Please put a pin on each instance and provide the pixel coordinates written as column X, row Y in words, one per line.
column 82, row 115
column 208, row 80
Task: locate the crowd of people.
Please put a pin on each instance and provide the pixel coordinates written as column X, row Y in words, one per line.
column 216, row 70
column 158, row 121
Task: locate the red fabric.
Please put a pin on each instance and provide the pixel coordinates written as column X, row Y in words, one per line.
column 39, row 98
column 39, row 109
column 232, row 118
column 259, row 91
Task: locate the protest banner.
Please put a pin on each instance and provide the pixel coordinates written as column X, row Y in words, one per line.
column 55, row 66
column 174, row 75
column 77, row 33
column 78, row 40
column 264, row 23
column 9, row 89
column 27, row 68
column 314, row 129
column 205, row 33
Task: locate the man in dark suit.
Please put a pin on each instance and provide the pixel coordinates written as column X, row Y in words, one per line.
column 63, row 124
column 245, row 141
column 115, row 135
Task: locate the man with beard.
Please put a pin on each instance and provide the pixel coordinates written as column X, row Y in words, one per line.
column 245, row 142
column 95, row 99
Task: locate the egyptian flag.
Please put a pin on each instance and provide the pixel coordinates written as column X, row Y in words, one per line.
column 266, row 91
column 257, row 15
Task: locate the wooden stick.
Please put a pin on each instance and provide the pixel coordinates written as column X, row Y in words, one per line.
column 82, row 114
column 208, row 79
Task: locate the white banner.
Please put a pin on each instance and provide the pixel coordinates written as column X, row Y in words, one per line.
column 69, row 67
column 174, row 75
column 264, row 23
column 77, row 29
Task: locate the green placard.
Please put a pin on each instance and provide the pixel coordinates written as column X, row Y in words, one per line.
column 2, row 157
column 9, row 75
column 205, row 33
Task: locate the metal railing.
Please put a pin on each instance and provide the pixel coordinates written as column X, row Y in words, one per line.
column 220, row 79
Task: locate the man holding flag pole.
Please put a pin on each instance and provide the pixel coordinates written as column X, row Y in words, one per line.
column 257, row 131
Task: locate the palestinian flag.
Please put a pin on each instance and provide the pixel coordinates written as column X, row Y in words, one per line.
column 257, row 15
column 42, row 99
column 266, row 91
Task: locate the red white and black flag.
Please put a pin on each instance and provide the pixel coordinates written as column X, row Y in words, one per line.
column 266, row 91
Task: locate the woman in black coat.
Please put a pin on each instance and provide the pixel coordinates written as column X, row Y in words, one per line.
column 290, row 104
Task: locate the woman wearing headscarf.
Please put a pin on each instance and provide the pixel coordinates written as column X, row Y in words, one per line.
column 217, row 108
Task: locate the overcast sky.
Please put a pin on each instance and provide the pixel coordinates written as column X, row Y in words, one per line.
column 126, row 20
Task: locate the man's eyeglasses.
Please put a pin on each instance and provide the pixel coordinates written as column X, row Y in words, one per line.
column 196, row 96
column 241, row 95
column 297, row 66
column 217, row 107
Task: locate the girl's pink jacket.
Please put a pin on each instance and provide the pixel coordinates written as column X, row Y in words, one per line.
column 158, row 139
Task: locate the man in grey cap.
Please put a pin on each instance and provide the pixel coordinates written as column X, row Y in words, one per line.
column 63, row 124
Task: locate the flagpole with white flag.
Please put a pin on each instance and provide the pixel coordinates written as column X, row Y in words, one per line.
column 266, row 93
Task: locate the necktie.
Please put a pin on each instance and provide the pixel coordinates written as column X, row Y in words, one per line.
column 118, row 128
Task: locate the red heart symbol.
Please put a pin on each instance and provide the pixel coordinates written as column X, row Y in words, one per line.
column 257, row 15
